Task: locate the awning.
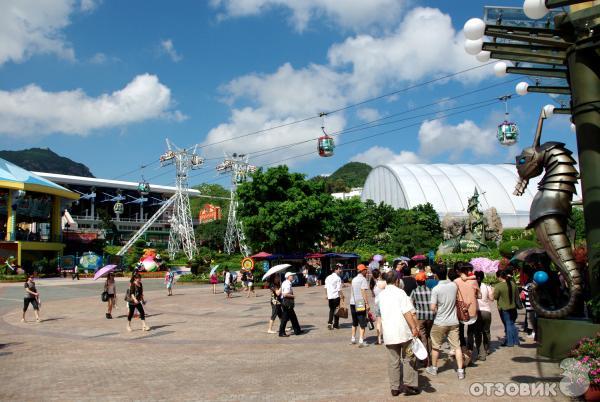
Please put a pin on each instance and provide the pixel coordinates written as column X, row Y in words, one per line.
column 262, row 254
column 17, row 178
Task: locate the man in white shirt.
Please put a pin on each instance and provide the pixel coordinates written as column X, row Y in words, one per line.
column 333, row 287
column 287, row 306
column 399, row 327
column 359, row 305
column 228, row 281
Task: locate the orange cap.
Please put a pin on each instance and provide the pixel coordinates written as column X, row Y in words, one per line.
column 361, row 267
column 421, row 276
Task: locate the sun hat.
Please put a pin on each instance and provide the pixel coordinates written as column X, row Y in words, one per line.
column 419, row 349
column 421, row 276
column 289, row 274
column 361, row 267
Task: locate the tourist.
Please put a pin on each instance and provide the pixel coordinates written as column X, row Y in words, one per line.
column 484, row 317
column 377, row 284
column 287, row 306
column 75, row 273
column 359, row 305
column 333, row 290
column 409, row 283
column 214, row 279
column 530, row 314
column 136, row 301
column 110, row 287
column 227, row 283
column 275, row 287
column 32, row 296
column 468, row 292
column 506, row 293
column 421, row 299
column 245, row 280
column 431, row 280
column 445, row 323
column 169, row 279
column 399, row 327
column 250, row 283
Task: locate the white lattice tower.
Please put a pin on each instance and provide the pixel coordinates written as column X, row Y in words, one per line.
column 181, row 236
column 239, row 168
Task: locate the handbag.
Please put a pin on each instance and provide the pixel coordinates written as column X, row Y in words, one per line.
column 462, row 308
column 342, row 309
column 519, row 303
column 359, row 306
column 288, row 303
column 128, row 296
column 104, row 296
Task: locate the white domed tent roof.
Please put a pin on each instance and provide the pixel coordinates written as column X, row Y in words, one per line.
column 448, row 188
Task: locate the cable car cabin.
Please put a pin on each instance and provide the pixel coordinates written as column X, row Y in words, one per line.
column 325, row 146
column 144, row 188
column 508, row 133
column 197, row 160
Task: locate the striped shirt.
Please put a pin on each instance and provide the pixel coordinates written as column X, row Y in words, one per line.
column 527, row 303
column 421, row 299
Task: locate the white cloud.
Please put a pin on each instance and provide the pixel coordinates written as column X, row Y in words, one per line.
column 355, row 15
column 32, row 111
column 424, row 45
column 436, row 138
column 377, row 155
column 167, row 47
column 29, row 27
column 368, row 114
column 98, row 58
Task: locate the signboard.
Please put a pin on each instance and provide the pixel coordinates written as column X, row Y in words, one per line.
column 209, row 213
column 248, row 263
column 80, row 237
column 90, row 261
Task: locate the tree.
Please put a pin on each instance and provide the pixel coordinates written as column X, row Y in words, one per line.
column 282, row 211
column 211, row 234
column 415, row 230
column 343, row 224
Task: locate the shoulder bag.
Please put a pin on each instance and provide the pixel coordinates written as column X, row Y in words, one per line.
column 104, row 296
column 462, row 308
column 360, row 306
column 342, row 310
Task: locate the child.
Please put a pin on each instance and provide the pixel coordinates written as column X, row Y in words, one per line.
column 169, row 279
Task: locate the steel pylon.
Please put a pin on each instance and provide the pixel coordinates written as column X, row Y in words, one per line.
column 181, row 235
column 238, row 167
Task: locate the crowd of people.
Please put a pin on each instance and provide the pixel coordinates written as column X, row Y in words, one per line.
column 433, row 304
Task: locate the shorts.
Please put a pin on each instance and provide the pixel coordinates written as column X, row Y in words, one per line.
column 359, row 318
column 111, row 295
column 33, row 301
column 438, row 333
column 227, row 288
column 250, row 284
column 275, row 311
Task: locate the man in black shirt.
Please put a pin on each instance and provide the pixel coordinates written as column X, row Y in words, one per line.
column 408, row 281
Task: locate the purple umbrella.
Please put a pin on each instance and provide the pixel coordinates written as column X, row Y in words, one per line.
column 103, row 271
column 377, row 257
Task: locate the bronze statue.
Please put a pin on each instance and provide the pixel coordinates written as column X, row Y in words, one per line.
column 551, row 209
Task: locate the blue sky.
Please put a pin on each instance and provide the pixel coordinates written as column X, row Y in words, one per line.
column 105, row 82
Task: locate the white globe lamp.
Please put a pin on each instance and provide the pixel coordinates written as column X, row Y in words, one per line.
column 521, row 88
column 474, row 28
column 535, row 9
column 500, row 69
column 549, row 111
column 483, row 56
column 473, row 47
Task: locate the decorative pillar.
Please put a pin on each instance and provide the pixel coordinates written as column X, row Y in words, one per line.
column 55, row 219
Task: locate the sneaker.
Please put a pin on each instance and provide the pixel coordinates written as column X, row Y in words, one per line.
column 129, row 329
column 330, row 326
column 146, row 328
column 461, row 374
column 271, row 332
column 363, row 344
column 22, row 319
column 531, row 335
column 395, row 392
column 38, row 320
column 353, row 341
column 431, row 370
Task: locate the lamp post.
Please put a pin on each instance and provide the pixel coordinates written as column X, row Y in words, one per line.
column 570, row 39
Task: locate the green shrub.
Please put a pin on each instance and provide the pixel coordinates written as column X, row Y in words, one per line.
column 518, row 234
column 508, row 248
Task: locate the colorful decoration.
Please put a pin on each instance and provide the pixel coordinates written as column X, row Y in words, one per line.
column 248, row 263
column 485, row 265
column 148, row 260
column 90, row 261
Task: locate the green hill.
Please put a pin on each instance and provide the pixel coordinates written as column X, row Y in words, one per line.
column 44, row 160
column 352, row 174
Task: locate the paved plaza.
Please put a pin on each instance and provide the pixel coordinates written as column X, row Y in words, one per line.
column 204, row 347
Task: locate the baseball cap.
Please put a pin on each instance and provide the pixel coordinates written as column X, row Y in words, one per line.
column 289, row 274
column 361, row 267
column 421, row 276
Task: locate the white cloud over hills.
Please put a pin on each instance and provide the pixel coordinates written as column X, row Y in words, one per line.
column 32, row 111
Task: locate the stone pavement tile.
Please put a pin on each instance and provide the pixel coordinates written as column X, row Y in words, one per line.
column 204, row 347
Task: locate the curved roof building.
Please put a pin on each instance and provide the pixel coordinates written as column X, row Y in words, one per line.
column 448, row 188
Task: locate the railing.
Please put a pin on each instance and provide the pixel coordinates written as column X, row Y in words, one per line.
column 89, row 218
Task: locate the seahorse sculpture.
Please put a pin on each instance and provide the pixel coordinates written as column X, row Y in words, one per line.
column 550, row 210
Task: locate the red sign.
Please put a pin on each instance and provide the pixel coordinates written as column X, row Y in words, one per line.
column 209, row 213
column 80, row 237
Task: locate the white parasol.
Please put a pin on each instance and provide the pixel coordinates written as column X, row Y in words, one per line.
column 275, row 269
